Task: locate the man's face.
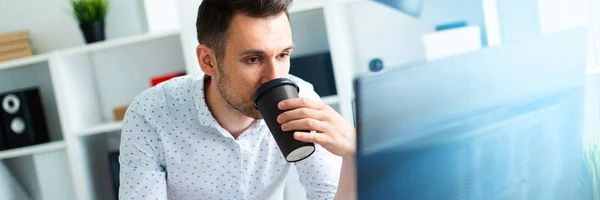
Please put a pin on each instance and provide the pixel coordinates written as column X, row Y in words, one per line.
column 257, row 51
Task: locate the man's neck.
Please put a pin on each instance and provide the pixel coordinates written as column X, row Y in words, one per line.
column 230, row 119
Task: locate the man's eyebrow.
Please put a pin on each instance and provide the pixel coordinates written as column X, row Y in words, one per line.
column 258, row 51
column 293, row 46
column 252, row 51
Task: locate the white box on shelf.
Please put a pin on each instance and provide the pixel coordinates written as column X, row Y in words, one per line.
column 452, row 42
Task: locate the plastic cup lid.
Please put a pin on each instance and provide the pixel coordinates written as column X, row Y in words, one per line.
column 271, row 84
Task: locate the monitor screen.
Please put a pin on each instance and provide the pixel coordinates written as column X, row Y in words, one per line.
column 529, row 150
column 499, row 123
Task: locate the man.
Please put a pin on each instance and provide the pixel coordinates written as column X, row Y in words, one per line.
column 199, row 137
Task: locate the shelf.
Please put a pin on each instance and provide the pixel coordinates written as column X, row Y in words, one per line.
column 31, row 150
column 333, row 99
column 114, row 43
column 100, row 129
column 20, row 62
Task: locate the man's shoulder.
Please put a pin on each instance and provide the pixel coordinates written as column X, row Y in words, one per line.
column 300, row 82
column 306, row 89
column 174, row 92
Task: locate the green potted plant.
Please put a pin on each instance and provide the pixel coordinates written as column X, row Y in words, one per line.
column 91, row 15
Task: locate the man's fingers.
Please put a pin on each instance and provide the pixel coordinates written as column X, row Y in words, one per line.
column 301, row 113
column 318, row 138
column 290, row 104
column 306, row 124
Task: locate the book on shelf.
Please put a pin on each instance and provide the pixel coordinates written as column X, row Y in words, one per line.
column 15, row 45
column 9, row 55
column 13, row 36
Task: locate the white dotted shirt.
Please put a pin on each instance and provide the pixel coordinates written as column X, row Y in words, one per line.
column 173, row 148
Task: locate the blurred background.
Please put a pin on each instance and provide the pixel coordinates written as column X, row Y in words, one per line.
column 74, row 73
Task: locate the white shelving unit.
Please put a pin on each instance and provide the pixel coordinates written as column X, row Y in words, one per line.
column 81, row 85
column 100, row 129
column 32, row 150
column 93, row 81
column 24, row 61
column 78, row 104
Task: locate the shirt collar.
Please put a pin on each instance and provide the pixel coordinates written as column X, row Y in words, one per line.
column 204, row 114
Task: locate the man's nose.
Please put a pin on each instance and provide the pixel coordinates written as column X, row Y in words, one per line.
column 273, row 70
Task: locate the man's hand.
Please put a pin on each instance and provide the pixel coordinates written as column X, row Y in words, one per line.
column 333, row 132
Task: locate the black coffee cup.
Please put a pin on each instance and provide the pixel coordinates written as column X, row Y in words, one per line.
column 266, row 99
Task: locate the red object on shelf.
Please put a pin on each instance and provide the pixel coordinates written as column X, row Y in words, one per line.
column 162, row 78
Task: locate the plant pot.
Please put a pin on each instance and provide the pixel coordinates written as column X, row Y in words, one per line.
column 93, row 31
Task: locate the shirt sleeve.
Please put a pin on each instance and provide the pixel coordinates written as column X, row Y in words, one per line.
column 142, row 174
column 319, row 174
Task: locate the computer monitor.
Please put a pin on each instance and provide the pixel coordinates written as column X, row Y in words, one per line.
column 500, row 123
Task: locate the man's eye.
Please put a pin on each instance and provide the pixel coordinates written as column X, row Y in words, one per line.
column 253, row 60
column 283, row 55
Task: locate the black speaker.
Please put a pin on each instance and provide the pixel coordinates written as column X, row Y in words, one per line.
column 113, row 160
column 316, row 69
column 23, row 119
column 2, row 138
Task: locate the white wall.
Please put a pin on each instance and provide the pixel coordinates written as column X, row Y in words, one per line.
column 382, row 32
column 309, row 32
column 557, row 15
column 188, row 11
column 161, row 15
column 52, row 26
column 595, row 27
column 518, row 20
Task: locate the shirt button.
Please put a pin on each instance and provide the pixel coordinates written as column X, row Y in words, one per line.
column 234, row 184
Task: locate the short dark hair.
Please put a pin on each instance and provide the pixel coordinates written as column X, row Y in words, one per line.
column 214, row 18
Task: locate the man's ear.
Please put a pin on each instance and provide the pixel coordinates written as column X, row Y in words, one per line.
column 207, row 60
